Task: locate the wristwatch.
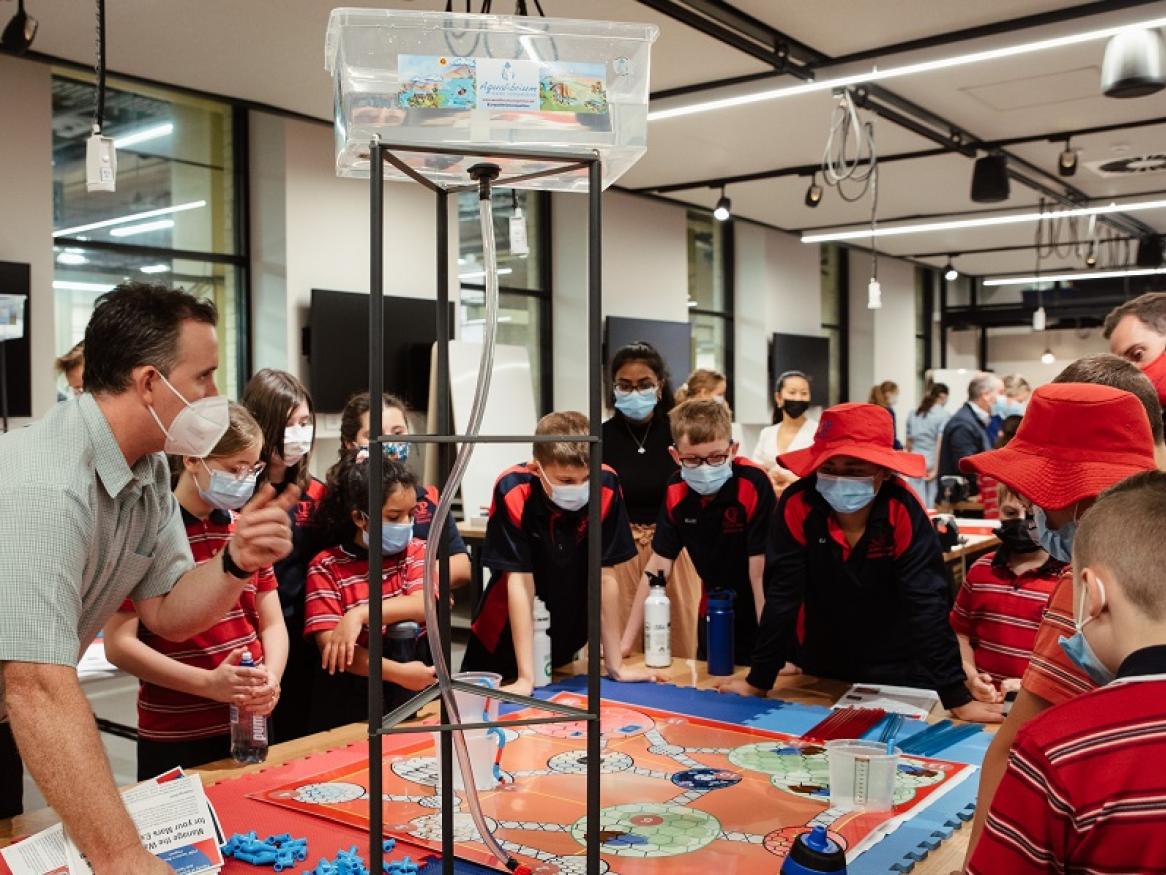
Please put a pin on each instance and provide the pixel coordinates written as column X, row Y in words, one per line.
column 231, row 567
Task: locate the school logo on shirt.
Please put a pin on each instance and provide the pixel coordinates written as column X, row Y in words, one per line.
column 733, row 522
column 421, row 513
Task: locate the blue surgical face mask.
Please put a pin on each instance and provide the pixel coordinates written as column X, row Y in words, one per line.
column 397, row 451
column 1006, row 407
column 568, row 496
column 1058, row 543
column 395, row 537
column 1077, row 646
column 224, row 491
column 707, row 479
column 637, row 405
column 846, row 494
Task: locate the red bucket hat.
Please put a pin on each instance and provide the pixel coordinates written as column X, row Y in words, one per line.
column 864, row 431
column 1075, row 441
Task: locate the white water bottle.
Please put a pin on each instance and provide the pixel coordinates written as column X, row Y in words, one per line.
column 657, row 624
column 542, row 644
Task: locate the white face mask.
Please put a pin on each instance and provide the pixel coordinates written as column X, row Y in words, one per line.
column 198, row 427
column 297, row 440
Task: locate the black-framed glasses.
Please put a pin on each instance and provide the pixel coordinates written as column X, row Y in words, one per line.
column 644, row 385
column 715, row 460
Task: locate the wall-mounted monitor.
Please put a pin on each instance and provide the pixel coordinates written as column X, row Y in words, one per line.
column 15, row 279
column 673, row 340
column 336, row 345
column 806, row 353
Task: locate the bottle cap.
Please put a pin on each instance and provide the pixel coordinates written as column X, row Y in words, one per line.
column 817, row 852
column 655, row 578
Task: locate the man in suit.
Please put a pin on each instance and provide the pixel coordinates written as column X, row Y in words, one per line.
column 966, row 433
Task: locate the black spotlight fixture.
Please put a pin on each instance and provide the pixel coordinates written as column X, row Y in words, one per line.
column 1067, row 160
column 1149, row 251
column 814, row 192
column 990, row 179
column 1134, row 64
column 19, row 32
column 724, row 208
column 949, row 271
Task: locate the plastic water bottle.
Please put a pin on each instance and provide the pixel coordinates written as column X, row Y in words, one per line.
column 814, row 852
column 657, row 624
column 248, row 731
column 720, row 623
column 542, row 644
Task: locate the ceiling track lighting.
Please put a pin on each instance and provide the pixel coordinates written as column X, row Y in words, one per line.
column 19, row 32
column 949, row 271
column 724, row 208
column 814, row 193
column 1067, row 160
column 1091, row 256
column 1134, row 64
column 1047, row 357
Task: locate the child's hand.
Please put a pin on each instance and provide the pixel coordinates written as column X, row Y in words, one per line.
column 233, row 683
column 415, row 676
column 520, row 687
column 740, row 686
column 982, row 689
column 1010, row 685
column 340, row 648
column 265, row 698
column 628, row 675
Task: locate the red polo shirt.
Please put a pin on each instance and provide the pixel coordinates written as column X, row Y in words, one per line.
column 1050, row 674
column 171, row 715
column 1001, row 611
column 1085, row 789
column 338, row 582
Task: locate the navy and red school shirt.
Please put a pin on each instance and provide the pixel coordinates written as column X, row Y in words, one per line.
column 427, row 498
column 721, row 532
column 527, row 533
column 1085, row 789
column 876, row 612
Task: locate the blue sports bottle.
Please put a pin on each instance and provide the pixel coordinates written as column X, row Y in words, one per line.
column 719, row 627
column 814, row 852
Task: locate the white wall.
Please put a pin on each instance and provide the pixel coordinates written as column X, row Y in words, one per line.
column 26, row 207
column 645, row 276
column 1018, row 350
column 778, row 289
column 882, row 342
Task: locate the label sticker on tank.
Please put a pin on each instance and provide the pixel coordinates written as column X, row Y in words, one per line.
column 447, row 82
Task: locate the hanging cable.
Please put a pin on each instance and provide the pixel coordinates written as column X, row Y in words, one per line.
column 843, row 159
column 441, row 514
column 99, row 109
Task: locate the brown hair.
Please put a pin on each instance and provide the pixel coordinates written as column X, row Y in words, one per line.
column 1125, row 530
column 348, row 488
column 358, row 406
column 1149, row 309
column 700, row 380
column 563, row 452
column 271, row 395
column 701, row 420
column 879, row 393
column 71, row 359
column 1106, row 369
column 1014, row 383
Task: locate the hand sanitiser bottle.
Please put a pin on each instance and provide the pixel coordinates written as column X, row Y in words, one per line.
column 542, row 644
column 657, row 624
column 248, row 731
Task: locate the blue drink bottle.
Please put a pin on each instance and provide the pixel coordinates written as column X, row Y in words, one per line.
column 720, row 622
column 814, row 852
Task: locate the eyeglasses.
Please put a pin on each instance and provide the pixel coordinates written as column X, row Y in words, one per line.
column 642, row 386
column 715, row 460
column 242, row 471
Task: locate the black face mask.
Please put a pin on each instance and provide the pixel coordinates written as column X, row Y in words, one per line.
column 1015, row 536
column 794, row 409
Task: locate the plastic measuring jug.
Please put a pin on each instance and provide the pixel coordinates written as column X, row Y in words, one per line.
column 862, row 774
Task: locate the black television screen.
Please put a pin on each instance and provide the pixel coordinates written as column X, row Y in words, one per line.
column 14, row 280
column 673, row 340
column 802, row 352
column 337, row 347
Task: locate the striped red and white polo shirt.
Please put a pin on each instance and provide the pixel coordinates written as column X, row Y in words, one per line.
column 171, row 715
column 338, row 582
column 1085, row 789
column 1001, row 612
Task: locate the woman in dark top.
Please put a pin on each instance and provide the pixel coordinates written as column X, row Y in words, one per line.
column 635, row 443
column 282, row 407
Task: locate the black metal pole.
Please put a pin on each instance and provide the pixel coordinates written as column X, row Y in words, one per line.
column 443, row 453
column 376, row 462
column 4, row 384
column 594, row 525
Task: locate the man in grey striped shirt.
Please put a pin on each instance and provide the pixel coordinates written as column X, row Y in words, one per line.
column 87, row 519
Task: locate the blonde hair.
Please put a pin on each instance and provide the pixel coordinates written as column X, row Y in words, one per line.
column 700, row 420
column 71, row 359
column 700, row 380
column 1125, row 530
column 879, row 393
column 563, row 452
column 242, row 433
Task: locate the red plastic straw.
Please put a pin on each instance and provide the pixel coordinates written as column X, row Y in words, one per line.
column 845, row 723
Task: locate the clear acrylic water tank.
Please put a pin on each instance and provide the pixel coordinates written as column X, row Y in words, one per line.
column 431, row 80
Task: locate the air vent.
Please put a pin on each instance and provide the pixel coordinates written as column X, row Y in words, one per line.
column 1134, row 165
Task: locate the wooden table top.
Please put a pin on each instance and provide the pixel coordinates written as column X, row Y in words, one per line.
column 802, row 689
